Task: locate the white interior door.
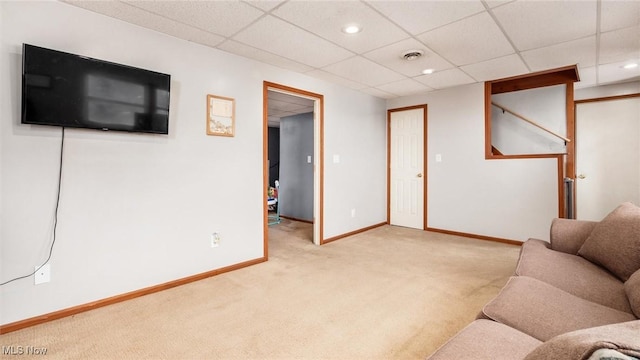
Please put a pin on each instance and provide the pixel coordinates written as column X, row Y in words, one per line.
column 407, row 168
column 607, row 156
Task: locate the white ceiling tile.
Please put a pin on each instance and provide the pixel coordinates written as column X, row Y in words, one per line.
column 404, row 87
column 581, row 52
column 619, row 14
column 265, row 5
column 390, row 56
column 533, row 24
column 473, row 39
column 326, row 19
column 496, row 3
column 287, row 99
column 446, row 78
column 587, row 77
column 363, row 71
column 378, row 93
column 276, row 36
column 620, row 45
column 149, row 20
column 495, row 69
column 614, row 72
column 280, row 108
column 332, row 78
column 420, row 16
column 220, row 17
column 549, row 34
column 250, row 52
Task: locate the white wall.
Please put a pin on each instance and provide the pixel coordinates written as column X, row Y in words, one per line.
column 512, row 199
column 632, row 87
column 137, row 210
column 295, row 197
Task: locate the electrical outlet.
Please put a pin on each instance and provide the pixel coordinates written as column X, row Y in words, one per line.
column 42, row 275
column 215, row 240
column 353, row 213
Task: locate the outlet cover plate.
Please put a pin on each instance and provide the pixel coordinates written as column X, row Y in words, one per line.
column 42, row 275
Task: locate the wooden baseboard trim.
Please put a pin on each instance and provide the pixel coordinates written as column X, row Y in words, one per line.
column 325, row 241
column 474, row 236
column 296, row 219
column 7, row 328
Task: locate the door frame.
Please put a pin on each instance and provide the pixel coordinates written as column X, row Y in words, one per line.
column 425, row 160
column 571, row 162
column 318, row 154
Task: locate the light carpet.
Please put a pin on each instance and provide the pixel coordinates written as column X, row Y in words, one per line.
column 388, row 293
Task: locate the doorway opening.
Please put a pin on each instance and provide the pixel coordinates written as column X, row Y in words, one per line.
column 296, row 107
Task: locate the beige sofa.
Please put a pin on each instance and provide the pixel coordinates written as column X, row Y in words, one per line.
column 575, row 297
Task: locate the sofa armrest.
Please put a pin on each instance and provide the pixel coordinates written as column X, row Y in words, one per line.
column 568, row 235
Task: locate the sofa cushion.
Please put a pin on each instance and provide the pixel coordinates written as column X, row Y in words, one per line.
column 568, row 235
column 572, row 274
column 485, row 339
column 632, row 288
column 581, row 344
column 615, row 241
column 544, row 311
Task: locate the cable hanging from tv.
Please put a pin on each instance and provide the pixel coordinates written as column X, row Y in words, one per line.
column 55, row 218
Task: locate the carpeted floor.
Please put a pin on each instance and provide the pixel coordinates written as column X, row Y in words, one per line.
column 389, row 293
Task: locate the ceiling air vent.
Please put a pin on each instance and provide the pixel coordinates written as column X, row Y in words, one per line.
column 411, row 55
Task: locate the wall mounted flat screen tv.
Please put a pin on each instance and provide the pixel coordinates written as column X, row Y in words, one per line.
column 68, row 90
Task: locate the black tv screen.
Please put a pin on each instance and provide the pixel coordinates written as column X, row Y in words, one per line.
column 68, row 90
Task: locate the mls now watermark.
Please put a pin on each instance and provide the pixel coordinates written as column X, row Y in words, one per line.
column 23, row 350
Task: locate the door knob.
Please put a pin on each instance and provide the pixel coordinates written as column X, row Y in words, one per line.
column 581, row 176
column 419, row 175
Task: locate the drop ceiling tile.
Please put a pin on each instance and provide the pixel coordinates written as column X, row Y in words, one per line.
column 378, row 93
column 533, row 24
column 619, row 14
column 404, row 87
column 581, row 52
column 614, row 72
column 495, row 69
column 219, row 17
column 265, row 5
column 446, row 78
column 587, row 78
column 291, row 102
column 332, row 78
column 250, row 52
column 283, row 108
column 391, row 57
column 326, row 19
column 363, row 71
column 620, row 45
column 420, row 16
column 149, row 20
column 467, row 41
column 496, row 3
column 279, row 37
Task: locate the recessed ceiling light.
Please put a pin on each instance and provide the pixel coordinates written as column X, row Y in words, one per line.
column 351, row 29
column 411, row 55
column 631, row 66
column 428, row 71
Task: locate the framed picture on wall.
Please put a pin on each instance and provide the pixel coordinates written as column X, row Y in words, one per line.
column 220, row 116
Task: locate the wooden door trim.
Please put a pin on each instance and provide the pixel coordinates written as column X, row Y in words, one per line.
column 607, row 98
column 425, row 160
column 571, row 157
column 265, row 152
